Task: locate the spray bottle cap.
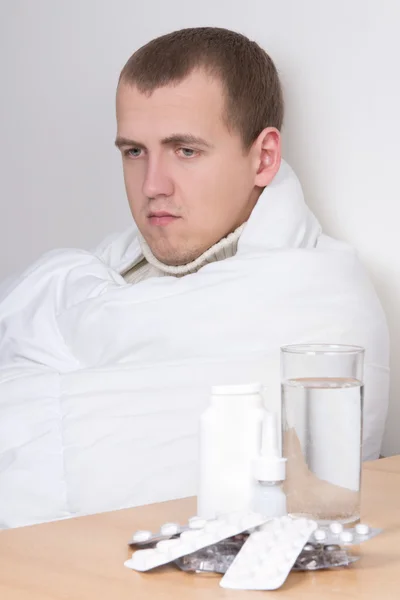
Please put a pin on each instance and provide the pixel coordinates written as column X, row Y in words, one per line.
column 269, row 465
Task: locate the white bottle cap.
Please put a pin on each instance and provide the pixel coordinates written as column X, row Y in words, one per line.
column 236, row 390
column 269, row 466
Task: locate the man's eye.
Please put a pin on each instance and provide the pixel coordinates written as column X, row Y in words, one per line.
column 187, row 152
column 133, row 152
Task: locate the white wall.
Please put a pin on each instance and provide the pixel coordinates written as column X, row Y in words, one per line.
column 61, row 181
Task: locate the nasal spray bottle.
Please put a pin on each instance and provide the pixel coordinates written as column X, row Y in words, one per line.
column 269, row 471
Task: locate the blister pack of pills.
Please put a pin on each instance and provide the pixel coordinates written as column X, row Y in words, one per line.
column 269, row 554
column 317, row 557
column 144, row 538
column 213, row 559
column 335, row 533
column 219, row 557
column 259, row 561
column 332, row 533
column 192, row 539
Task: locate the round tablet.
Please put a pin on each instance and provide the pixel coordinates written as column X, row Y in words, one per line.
column 362, row 529
column 332, row 547
column 212, row 526
column 142, row 559
column 346, row 536
column 141, row 536
column 197, row 523
column 319, row 535
column 336, row 527
column 190, row 534
column 169, row 529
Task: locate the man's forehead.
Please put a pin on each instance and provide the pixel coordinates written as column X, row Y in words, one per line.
column 194, row 105
column 197, row 92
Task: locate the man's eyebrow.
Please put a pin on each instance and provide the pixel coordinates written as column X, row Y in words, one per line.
column 175, row 138
column 185, row 138
column 122, row 141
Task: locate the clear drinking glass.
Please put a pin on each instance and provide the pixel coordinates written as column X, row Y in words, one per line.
column 322, row 406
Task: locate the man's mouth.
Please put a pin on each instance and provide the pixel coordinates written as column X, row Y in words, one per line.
column 161, row 218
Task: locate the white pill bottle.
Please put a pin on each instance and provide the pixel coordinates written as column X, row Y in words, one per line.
column 230, row 440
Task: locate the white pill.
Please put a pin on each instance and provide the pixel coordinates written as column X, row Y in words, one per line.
column 362, row 529
column 141, row 536
column 166, row 545
column 336, row 527
column 346, row 536
column 189, row 535
column 169, row 529
column 142, row 559
column 319, row 535
column 197, row 523
column 212, row 526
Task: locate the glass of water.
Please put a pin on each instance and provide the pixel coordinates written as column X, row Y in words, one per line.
column 322, row 406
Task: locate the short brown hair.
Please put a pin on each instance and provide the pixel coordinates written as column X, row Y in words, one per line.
column 251, row 81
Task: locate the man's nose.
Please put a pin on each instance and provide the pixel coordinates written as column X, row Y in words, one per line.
column 157, row 181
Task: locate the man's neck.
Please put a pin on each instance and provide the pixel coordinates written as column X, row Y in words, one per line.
column 225, row 248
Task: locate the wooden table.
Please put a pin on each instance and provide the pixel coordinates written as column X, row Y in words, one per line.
column 82, row 559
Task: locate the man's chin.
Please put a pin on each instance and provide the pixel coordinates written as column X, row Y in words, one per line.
column 174, row 258
column 172, row 254
column 173, row 261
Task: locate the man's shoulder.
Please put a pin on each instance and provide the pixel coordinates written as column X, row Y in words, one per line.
column 60, row 276
column 342, row 264
column 116, row 253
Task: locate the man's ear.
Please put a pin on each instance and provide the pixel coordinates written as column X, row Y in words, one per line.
column 267, row 156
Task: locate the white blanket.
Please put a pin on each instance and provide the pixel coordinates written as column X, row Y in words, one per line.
column 102, row 383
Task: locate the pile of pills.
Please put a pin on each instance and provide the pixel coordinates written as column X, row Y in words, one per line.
column 219, row 557
column 335, row 533
column 167, row 531
column 253, row 552
column 190, row 539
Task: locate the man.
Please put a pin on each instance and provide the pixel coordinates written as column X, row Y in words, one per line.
column 107, row 358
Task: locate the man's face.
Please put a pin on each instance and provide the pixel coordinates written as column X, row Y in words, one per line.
column 188, row 180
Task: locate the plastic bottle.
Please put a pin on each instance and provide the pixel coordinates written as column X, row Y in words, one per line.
column 230, row 439
column 269, row 471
